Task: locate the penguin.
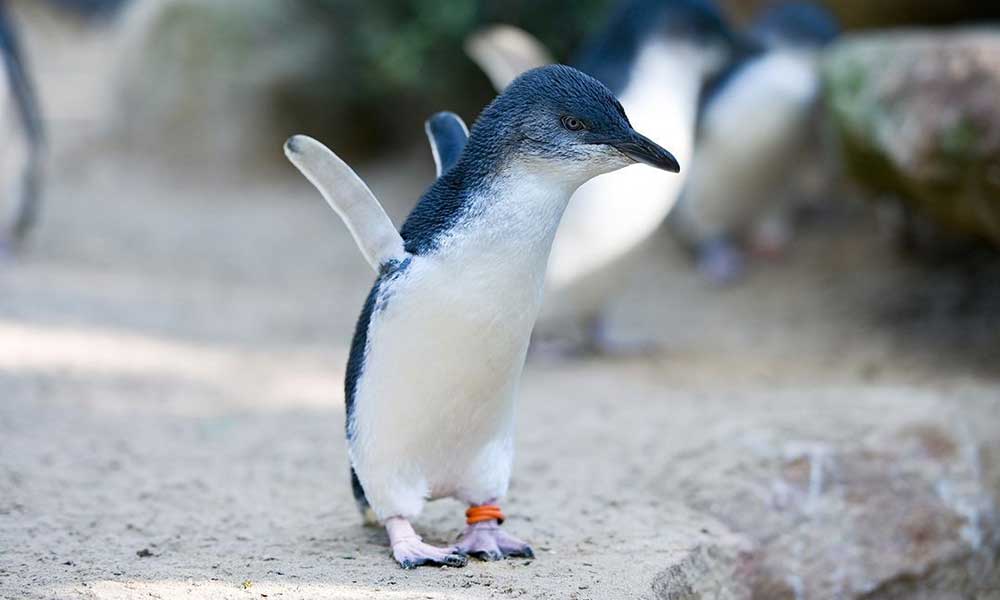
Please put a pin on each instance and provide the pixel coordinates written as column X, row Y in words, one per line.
column 92, row 10
column 758, row 117
column 22, row 196
column 434, row 366
column 652, row 54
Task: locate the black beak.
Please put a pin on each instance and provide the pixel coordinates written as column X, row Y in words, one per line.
column 641, row 149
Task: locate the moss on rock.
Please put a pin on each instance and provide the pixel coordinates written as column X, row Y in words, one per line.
column 918, row 117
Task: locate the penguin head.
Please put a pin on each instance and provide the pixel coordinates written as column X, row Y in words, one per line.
column 799, row 24
column 560, row 121
column 697, row 26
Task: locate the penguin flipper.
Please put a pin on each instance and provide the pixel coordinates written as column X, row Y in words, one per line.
column 503, row 52
column 345, row 192
column 447, row 134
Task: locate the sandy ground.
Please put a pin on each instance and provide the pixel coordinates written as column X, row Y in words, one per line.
column 171, row 358
column 172, row 347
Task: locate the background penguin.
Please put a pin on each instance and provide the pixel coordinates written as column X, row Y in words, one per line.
column 653, row 54
column 439, row 348
column 21, row 173
column 758, row 140
column 22, row 162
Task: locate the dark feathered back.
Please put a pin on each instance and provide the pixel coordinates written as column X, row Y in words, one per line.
column 799, row 23
column 609, row 54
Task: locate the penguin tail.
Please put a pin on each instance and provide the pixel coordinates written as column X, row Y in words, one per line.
column 345, row 192
column 368, row 517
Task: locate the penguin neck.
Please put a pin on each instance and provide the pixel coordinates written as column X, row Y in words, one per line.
column 504, row 198
column 512, row 213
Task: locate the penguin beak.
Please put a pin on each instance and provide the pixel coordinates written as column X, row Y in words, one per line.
column 642, row 149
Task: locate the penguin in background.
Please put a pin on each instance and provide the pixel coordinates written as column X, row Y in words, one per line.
column 22, row 158
column 652, row 54
column 759, row 116
column 434, row 367
column 91, row 10
column 22, row 155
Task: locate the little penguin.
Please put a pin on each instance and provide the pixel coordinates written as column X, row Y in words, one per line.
column 23, row 195
column 434, row 367
column 757, row 140
column 652, row 54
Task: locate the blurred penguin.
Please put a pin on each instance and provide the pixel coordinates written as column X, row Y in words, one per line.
column 89, row 9
column 758, row 143
column 22, row 157
column 656, row 56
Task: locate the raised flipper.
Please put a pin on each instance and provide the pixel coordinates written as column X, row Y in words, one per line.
column 447, row 135
column 343, row 190
column 503, row 52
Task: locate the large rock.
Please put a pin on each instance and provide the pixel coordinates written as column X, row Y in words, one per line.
column 843, row 509
column 918, row 117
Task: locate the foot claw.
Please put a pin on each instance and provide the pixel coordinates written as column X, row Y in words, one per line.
column 486, row 541
column 456, row 560
column 413, row 553
column 523, row 552
column 487, row 555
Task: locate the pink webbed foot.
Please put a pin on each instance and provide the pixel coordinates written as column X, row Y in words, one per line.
column 411, row 552
column 486, row 541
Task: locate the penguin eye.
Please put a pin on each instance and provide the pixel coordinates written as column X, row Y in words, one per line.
column 573, row 124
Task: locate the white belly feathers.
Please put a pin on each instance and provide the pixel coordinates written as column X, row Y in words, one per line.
column 614, row 213
column 434, row 406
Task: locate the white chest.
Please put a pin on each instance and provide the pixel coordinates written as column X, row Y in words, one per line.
column 613, row 213
column 447, row 343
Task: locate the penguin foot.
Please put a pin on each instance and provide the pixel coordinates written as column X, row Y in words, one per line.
column 593, row 347
column 720, row 262
column 411, row 552
column 613, row 347
column 770, row 239
column 601, row 341
column 486, row 541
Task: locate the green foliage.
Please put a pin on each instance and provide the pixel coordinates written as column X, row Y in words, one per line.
column 390, row 63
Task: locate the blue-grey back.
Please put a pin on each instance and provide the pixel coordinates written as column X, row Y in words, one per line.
column 610, row 53
column 803, row 23
column 800, row 23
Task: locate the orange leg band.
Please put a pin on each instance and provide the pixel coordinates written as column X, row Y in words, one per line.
column 486, row 512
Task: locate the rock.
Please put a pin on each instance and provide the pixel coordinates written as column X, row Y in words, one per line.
column 719, row 571
column 918, row 117
column 850, row 510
